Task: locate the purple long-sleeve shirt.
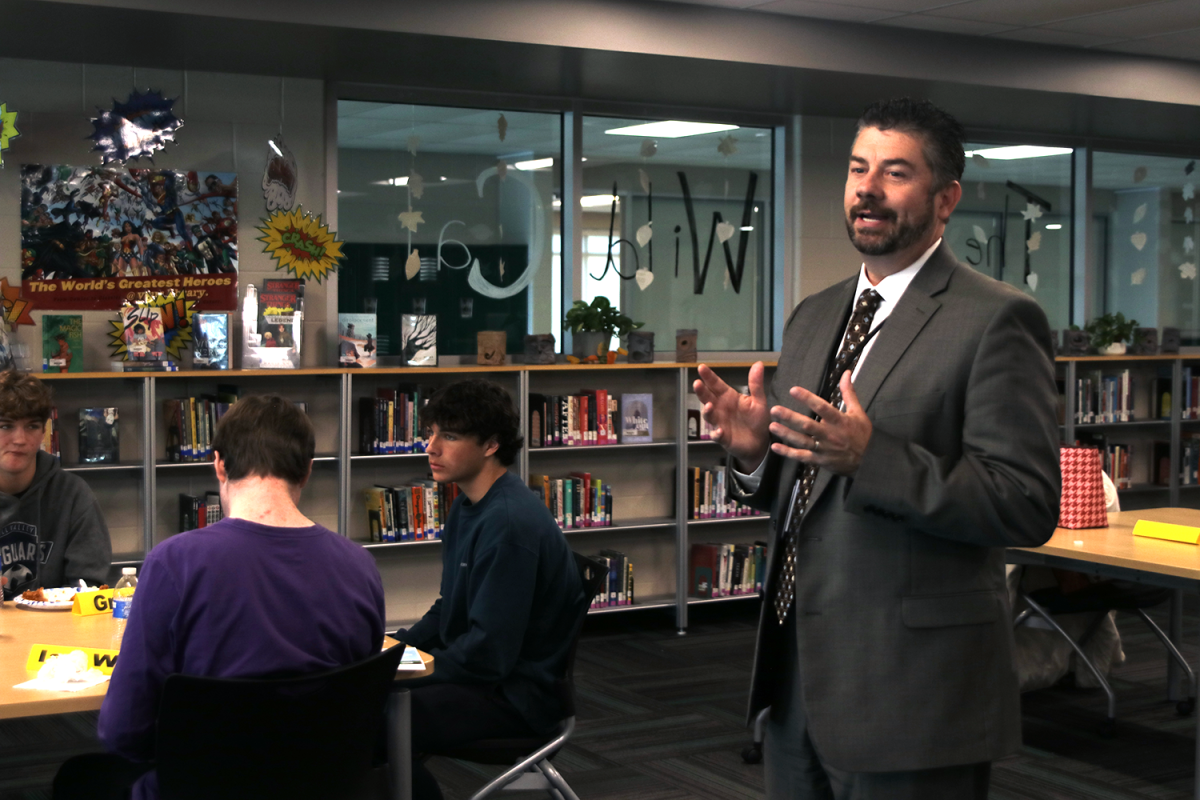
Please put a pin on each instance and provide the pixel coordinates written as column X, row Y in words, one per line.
column 238, row 599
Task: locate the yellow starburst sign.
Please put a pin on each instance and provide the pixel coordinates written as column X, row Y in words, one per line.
column 175, row 312
column 8, row 129
column 301, row 244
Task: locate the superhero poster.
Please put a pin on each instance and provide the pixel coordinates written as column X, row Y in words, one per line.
column 97, row 237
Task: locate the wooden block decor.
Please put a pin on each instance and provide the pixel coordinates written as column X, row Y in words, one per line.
column 685, row 344
column 539, row 348
column 492, row 345
column 640, row 345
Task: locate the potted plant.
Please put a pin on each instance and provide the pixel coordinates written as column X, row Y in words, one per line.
column 1110, row 332
column 594, row 325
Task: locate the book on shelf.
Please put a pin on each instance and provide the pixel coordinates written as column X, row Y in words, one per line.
column 193, row 512
column 273, row 324
column 726, row 570
column 709, row 497
column 142, row 333
column 357, row 345
column 698, row 428
column 418, row 340
column 618, row 590
column 637, row 418
column 1189, row 466
column 211, row 346
column 1102, row 399
column 99, row 441
column 212, row 507
column 62, row 343
column 577, row 420
column 1190, row 408
column 50, row 442
column 1160, row 396
column 390, row 423
column 415, row 512
column 575, row 501
column 190, row 424
column 1161, row 464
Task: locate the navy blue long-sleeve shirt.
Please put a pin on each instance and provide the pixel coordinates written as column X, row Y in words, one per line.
column 510, row 597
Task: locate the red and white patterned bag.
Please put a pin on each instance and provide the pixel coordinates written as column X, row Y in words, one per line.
column 1083, row 501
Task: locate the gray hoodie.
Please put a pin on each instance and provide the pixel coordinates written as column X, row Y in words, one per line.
column 53, row 533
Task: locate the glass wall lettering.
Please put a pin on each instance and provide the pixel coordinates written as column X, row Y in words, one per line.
column 1014, row 221
column 448, row 212
column 1144, row 236
column 677, row 227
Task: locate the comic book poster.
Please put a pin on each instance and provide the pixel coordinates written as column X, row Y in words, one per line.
column 143, row 333
column 96, row 237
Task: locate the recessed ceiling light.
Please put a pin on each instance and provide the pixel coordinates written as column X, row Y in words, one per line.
column 1054, row 226
column 598, row 200
column 537, row 163
column 746, row 228
column 1018, row 151
column 671, row 129
column 403, row 181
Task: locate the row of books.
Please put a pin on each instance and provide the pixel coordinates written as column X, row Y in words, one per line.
column 141, row 333
column 1115, row 457
column 577, row 500
column 1103, row 398
column 724, row 570
column 710, row 498
column 591, row 417
column 389, row 422
column 1189, row 468
column 99, row 435
column 191, row 422
column 1191, row 393
column 412, row 513
column 197, row 512
column 619, row 589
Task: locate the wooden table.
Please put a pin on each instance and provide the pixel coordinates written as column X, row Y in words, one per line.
column 20, row 629
column 1114, row 552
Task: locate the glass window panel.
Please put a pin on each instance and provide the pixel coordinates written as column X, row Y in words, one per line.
column 1014, row 222
column 690, row 178
column 488, row 182
column 1144, row 234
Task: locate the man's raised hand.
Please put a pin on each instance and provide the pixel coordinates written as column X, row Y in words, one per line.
column 739, row 421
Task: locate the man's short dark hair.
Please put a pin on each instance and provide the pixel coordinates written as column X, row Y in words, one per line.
column 266, row 435
column 941, row 134
column 479, row 408
column 22, row 396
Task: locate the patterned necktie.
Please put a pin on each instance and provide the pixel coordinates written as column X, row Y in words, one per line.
column 857, row 333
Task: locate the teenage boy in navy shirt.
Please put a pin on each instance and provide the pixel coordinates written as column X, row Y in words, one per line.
column 510, row 593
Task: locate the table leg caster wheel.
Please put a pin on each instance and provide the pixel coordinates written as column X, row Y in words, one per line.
column 752, row 754
column 1108, row 728
column 1185, row 707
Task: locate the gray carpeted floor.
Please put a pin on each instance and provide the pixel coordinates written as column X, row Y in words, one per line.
column 660, row 718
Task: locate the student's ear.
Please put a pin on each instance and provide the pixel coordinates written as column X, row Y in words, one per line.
column 219, row 467
column 490, row 447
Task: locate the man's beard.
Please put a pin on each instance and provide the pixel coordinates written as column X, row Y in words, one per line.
column 902, row 236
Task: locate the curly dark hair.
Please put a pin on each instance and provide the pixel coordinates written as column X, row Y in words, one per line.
column 480, row 408
column 941, row 133
column 22, row 396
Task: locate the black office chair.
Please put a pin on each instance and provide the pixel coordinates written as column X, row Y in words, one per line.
column 1100, row 598
column 533, row 769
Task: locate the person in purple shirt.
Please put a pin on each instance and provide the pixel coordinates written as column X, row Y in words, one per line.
column 264, row 592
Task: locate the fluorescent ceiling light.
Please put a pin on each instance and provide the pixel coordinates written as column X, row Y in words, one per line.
column 394, row 181
column 537, row 163
column 1018, row 151
column 671, row 129
column 746, row 228
column 1054, row 226
column 597, row 200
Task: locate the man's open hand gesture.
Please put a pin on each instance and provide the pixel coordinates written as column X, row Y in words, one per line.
column 739, row 421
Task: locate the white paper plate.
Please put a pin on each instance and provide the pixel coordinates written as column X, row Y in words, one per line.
column 48, row 605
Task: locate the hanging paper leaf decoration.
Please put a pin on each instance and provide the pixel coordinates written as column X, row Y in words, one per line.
column 644, row 179
column 980, row 236
column 1138, row 240
column 643, row 234
column 1189, row 216
column 502, row 127
column 1190, row 168
column 416, row 184
column 411, row 219
column 1138, row 277
column 1139, row 175
column 138, row 127
column 8, row 129
column 1139, row 213
column 1032, row 211
column 725, row 231
column 1187, row 271
column 1035, row 242
column 502, row 269
column 301, row 244
column 412, row 266
column 1032, row 281
column 728, row 145
column 649, row 147
column 644, row 278
column 1189, row 191
column 413, row 143
column 1189, row 244
column 16, row 309
column 174, row 309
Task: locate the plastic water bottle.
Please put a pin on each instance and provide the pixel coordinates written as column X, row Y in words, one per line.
column 122, row 603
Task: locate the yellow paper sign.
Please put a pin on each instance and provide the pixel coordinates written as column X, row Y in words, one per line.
column 1165, row 530
column 87, row 604
column 103, row 660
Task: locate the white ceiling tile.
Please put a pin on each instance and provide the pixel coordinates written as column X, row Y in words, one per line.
column 1031, row 12
column 1050, row 36
column 812, row 8
column 1147, row 20
column 946, row 24
column 1183, row 44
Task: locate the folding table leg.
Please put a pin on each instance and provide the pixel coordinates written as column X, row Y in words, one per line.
column 1175, row 631
column 399, row 743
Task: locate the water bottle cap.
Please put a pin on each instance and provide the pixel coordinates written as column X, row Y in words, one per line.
column 129, row 570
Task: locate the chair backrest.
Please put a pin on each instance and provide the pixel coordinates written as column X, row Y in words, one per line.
column 307, row 736
column 594, row 577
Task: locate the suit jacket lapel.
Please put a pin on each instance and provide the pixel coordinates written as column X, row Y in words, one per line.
column 915, row 308
column 821, row 346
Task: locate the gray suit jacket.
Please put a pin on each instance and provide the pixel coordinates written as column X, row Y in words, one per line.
column 901, row 612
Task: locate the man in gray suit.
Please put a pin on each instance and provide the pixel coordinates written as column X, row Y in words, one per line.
column 908, row 434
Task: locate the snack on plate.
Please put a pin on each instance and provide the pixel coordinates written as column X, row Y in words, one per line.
column 37, row 595
column 70, row 666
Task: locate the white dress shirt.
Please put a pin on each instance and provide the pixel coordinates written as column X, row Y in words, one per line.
column 891, row 289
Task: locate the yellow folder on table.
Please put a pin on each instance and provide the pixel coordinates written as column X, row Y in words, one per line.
column 1187, row 534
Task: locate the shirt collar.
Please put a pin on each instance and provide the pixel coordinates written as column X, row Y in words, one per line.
column 892, row 288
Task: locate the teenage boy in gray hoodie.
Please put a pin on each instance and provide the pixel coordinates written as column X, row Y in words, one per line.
column 51, row 530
